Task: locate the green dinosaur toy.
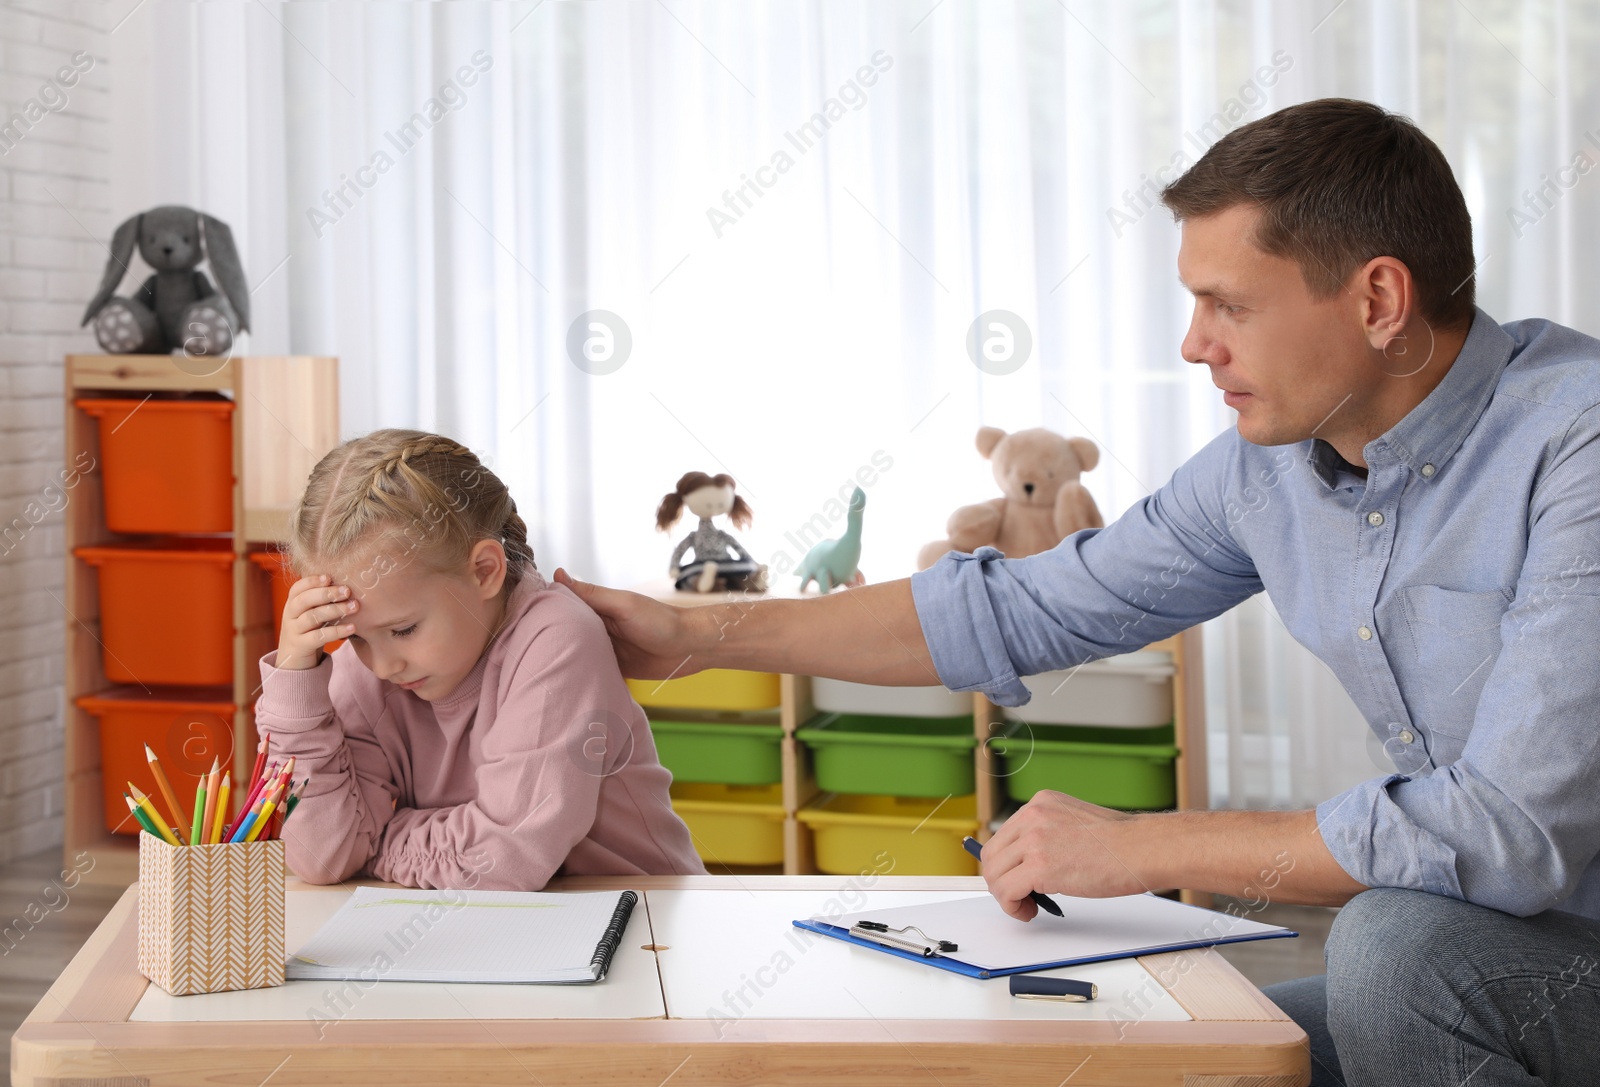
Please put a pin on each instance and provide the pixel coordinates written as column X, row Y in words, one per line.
column 832, row 563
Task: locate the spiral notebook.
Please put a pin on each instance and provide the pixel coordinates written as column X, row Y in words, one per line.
column 498, row 937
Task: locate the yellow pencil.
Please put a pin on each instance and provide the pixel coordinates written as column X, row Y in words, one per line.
column 266, row 814
column 202, row 822
column 133, row 810
column 166, row 790
column 221, row 815
column 143, row 801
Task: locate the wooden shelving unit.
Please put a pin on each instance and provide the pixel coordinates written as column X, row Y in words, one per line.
column 286, row 418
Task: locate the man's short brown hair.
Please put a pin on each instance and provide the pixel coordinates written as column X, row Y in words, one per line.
column 1339, row 182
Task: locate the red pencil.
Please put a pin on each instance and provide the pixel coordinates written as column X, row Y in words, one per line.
column 250, row 798
column 261, row 758
column 283, row 809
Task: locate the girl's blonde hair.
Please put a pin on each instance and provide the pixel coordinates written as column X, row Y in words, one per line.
column 410, row 491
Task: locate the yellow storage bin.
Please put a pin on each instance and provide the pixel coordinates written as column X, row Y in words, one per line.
column 732, row 824
column 857, row 833
column 712, row 689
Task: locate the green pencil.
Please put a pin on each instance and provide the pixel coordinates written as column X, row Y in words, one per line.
column 139, row 815
column 199, row 810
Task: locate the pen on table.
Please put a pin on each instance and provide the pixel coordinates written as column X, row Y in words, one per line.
column 970, row 844
column 1035, row 987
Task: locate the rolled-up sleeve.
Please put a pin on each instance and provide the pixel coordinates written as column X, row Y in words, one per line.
column 1166, row 564
column 1513, row 823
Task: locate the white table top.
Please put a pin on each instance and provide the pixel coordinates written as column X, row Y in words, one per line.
column 631, row 990
column 731, row 955
column 726, row 955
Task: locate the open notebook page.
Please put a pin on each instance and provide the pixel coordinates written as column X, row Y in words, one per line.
column 467, row 936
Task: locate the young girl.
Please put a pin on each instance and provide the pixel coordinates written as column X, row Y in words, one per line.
column 474, row 728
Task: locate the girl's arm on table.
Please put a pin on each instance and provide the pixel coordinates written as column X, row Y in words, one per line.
column 351, row 793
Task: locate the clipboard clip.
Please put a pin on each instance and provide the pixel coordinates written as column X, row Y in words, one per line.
column 880, row 933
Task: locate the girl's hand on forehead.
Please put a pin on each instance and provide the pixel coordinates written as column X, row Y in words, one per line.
column 317, row 611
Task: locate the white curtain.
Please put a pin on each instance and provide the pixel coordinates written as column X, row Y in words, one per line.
column 436, row 194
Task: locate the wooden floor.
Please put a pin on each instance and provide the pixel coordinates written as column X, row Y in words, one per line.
column 1268, row 961
column 32, row 958
column 34, row 961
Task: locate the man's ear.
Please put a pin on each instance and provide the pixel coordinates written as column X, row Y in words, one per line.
column 1389, row 299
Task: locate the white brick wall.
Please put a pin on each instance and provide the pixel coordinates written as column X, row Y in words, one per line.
column 54, row 220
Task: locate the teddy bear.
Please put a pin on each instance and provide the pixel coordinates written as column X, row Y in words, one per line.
column 176, row 308
column 1042, row 501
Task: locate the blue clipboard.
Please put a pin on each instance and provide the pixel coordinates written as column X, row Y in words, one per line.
column 956, row 966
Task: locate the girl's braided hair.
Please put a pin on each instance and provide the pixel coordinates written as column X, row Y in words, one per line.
column 406, row 491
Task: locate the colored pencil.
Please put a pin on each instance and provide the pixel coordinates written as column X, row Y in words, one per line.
column 199, row 809
column 244, row 826
column 261, row 758
column 266, row 813
column 221, row 810
column 149, row 809
column 166, row 791
column 213, row 783
column 288, row 804
column 249, row 800
column 251, row 816
column 139, row 815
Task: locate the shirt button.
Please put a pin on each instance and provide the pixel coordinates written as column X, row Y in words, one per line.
column 1406, row 736
column 1364, row 633
column 1428, row 470
column 1374, row 518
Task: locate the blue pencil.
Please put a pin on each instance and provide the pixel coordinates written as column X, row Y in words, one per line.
column 244, row 828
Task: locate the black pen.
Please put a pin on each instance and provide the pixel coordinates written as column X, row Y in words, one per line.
column 970, row 844
column 1034, row 987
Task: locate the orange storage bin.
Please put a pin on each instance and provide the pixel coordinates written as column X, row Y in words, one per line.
column 166, row 610
column 167, row 464
column 276, row 565
column 186, row 730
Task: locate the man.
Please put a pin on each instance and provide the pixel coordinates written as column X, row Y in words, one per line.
column 1418, row 490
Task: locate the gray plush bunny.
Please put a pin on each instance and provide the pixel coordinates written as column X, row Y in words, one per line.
column 175, row 309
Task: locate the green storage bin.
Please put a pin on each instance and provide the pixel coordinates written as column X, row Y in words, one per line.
column 891, row 756
column 718, row 753
column 1112, row 767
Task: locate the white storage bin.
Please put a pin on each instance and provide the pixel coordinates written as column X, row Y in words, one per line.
column 842, row 696
column 1133, row 690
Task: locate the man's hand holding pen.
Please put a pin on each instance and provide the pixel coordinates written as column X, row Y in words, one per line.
column 1058, row 844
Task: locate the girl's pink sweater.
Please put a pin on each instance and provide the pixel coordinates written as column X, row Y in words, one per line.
column 539, row 761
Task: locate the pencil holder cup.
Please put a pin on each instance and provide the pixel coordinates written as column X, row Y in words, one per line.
column 211, row 916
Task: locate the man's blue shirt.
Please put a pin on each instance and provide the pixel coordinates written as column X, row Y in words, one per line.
column 1454, row 591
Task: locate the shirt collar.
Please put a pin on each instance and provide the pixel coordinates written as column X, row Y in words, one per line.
column 1430, row 433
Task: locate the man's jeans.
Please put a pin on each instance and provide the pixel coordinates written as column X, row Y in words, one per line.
column 1423, row 990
